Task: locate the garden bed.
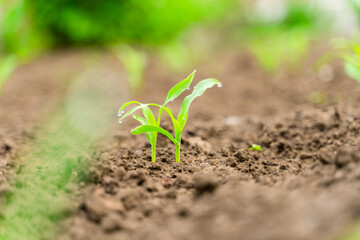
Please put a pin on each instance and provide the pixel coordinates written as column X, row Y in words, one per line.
column 303, row 185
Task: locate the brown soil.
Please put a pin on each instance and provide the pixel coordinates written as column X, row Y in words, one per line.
column 27, row 98
column 304, row 185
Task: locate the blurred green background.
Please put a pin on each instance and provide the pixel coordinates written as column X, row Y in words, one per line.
column 277, row 33
column 273, row 31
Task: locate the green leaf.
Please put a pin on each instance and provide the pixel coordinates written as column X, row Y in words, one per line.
column 179, row 88
column 255, row 147
column 149, row 128
column 149, row 115
column 199, row 90
column 131, row 111
column 143, row 121
column 127, row 104
column 169, row 112
column 7, row 66
column 352, row 70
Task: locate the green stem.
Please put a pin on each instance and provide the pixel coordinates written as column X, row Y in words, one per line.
column 153, row 147
column 153, row 153
column 154, row 137
column 177, row 152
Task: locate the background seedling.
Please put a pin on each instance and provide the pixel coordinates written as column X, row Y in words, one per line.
column 135, row 63
column 151, row 126
column 284, row 41
column 318, row 98
column 345, row 49
column 7, row 66
column 255, row 147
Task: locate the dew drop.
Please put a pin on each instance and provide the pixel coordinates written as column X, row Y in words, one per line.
column 172, row 100
column 119, row 114
column 120, row 121
column 188, row 88
column 219, row 85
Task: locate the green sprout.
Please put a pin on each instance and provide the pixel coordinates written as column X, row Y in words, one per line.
column 7, row 66
column 135, row 63
column 347, row 50
column 255, row 147
column 151, row 126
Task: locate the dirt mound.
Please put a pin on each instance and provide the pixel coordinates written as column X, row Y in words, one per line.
column 303, row 185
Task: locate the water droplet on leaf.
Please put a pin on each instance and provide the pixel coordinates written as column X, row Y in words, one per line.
column 120, row 121
column 219, row 85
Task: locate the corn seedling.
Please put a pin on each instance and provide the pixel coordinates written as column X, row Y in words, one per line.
column 347, row 50
column 255, row 147
column 151, row 126
column 135, row 63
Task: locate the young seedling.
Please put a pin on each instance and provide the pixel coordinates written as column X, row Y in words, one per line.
column 347, row 50
column 151, row 126
column 255, row 147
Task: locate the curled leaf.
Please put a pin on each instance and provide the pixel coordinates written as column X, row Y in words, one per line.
column 150, row 128
column 199, row 90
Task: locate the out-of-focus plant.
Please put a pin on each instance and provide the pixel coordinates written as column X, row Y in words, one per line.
column 318, row 98
column 355, row 6
column 134, row 62
column 255, row 147
column 177, row 55
column 19, row 35
column 29, row 27
column 284, row 41
column 347, row 50
column 79, row 22
column 20, row 39
column 7, row 66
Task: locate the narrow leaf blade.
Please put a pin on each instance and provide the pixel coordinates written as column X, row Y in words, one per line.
column 352, row 70
column 169, row 112
column 149, row 115
column 131, row 111
column 143, row 121
column 149, row 128
column 179, row 88
column 127, row 104
column 199, row 90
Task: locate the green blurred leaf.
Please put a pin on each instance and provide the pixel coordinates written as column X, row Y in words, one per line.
column 352, row 70
column 7, row 66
